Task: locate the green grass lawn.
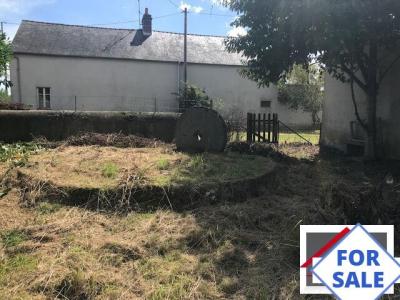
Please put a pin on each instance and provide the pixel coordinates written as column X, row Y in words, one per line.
column 309, row 135
column 289, row 137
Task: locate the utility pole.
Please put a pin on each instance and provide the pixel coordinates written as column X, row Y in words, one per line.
column 140, row 13
column 185, row 54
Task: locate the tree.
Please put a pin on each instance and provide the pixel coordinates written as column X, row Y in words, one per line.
column 303, row 89
column 357, row 41
column 5, row 58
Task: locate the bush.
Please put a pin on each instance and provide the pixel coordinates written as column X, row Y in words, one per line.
column 192, row 96
column 303, row 89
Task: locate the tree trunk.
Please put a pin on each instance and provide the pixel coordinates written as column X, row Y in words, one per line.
column 315, row 117
column 372, row 94
column 371, row 150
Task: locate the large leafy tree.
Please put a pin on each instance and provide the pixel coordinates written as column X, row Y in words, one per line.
column 303, row 89
column 5, row 58
column 357, row 41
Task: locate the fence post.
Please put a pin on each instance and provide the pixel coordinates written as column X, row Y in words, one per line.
column 269, row 128
column 263, row 127
column 155, row 104
column 249, row 131
column 275, row 137
column 254, row 127
column 75, row 104
column 278, row 130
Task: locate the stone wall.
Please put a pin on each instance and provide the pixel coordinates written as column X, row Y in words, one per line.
column 58, row 125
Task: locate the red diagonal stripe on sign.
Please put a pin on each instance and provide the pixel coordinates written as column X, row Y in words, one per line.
column 326, row 247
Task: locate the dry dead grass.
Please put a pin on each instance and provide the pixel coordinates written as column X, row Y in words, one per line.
column 108, row 167
column 243, row 250
column 12, row 214
column 77, row 254
column 83, row 166
column 3, row 169
column 220, row 252
column 226, row 251
column 300, row 150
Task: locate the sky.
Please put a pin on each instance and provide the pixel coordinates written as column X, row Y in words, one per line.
column 205, row 16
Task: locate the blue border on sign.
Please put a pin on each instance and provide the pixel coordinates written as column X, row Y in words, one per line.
column 374, row 240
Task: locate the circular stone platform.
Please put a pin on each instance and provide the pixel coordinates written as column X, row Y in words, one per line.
column 81, row 174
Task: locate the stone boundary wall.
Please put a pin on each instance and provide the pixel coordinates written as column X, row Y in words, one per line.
column 57, row 125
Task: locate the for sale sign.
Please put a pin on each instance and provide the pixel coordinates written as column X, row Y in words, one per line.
column 350, row 262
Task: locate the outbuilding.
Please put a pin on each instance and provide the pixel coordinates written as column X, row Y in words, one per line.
column 70, row 67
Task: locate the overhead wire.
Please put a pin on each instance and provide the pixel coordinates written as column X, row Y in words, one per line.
column 210, row 13
column 173, row 3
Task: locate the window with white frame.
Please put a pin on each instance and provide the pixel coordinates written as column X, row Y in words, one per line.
column 43, row 97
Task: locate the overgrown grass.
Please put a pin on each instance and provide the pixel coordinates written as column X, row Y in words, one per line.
column 110, row 170
column 107, row 168
column 208, row 168
column 244, row 250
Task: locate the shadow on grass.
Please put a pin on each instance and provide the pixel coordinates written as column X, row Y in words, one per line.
column 253, row 246
column 247, row 248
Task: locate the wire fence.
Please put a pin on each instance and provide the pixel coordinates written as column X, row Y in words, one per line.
column 103, row 103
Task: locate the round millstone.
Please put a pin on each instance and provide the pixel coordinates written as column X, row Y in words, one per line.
column 201, row 130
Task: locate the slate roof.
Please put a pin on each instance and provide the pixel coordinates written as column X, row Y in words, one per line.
column 83, row 41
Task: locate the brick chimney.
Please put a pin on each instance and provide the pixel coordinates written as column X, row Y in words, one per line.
column 147, row 23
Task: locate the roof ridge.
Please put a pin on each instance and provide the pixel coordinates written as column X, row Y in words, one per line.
column 75, row 25
column 126, row 29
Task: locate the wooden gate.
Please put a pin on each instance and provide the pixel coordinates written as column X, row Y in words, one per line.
column 262, row 128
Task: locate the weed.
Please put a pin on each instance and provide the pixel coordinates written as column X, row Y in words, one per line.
column 45, row 208
column 111, row 291
column 197, row 162
column 76, row 286
column 229, row 285
column 178, row 288
column 163, row 164
column 18, row 154
column 12, row 238
column 133, row 220
column 17, row 264
column 3, row 192
column 109, row 170
column 118, row 254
